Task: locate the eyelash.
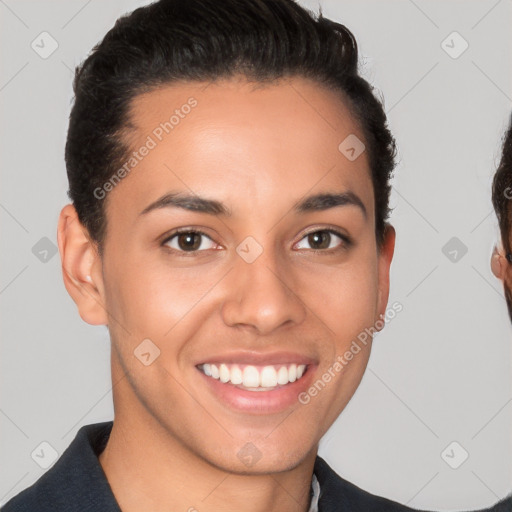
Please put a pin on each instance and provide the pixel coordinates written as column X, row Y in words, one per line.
column 346, row 241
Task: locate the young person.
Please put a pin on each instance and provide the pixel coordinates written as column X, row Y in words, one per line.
column 229, row 175
column 501, row 259
column 501, row 200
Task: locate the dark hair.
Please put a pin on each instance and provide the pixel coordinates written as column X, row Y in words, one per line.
column 501, row 200
column 502, row 189
column 205, row 40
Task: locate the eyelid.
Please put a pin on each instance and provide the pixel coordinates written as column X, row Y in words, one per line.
column 346, row 239
column 189, row 229
column 332, row 229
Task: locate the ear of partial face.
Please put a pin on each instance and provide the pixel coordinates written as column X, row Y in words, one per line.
column 498, row 262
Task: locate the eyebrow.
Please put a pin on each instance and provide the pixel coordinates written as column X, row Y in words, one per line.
column 194, row 203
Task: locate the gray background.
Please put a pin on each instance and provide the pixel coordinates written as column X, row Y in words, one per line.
column 439, row 372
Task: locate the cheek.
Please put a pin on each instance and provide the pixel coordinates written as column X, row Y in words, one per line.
column 507, row 276
column 345, row 298
column 156, row 300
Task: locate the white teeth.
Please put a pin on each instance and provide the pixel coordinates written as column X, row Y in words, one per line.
column 292, row 373
column 253, row 378
column 236, row 375
column 268, row 377
column 223, row 373
column 282, row 375
column 215, row 371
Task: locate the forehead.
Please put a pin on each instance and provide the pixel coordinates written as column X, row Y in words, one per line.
column 236, row 138
column 295, row 103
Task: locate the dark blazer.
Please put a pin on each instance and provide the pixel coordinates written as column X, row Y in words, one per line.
column 77, row 483
column 503, row 506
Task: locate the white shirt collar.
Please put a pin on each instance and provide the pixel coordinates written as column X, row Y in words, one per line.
column 316, row 494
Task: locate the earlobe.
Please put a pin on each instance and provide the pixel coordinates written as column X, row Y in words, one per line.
column 81, row 267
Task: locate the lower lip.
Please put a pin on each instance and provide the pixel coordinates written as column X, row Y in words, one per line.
column 260, row 402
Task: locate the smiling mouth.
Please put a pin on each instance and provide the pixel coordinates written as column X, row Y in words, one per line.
column 252, row 377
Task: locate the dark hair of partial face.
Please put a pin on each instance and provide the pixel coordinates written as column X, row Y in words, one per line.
column 502, row 201
column 207, row 40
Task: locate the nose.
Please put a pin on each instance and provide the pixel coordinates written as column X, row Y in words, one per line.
column 263, row 295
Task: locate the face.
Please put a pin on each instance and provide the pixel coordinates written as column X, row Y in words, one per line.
column 224, row 253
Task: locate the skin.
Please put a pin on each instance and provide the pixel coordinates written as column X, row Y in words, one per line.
column 258, row 150
column 501, row 268
column 499, row 263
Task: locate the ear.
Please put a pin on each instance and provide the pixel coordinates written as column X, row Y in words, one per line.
column 385, row 256
column 81, row 267
column 497, row 263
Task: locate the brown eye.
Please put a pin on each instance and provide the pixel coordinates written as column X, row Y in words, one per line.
column 188, row 241
column 325, row 239
column 320, row 239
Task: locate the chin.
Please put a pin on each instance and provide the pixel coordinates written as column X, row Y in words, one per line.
column 259, row 464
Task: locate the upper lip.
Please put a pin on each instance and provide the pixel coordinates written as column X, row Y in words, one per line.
column 259, row 358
